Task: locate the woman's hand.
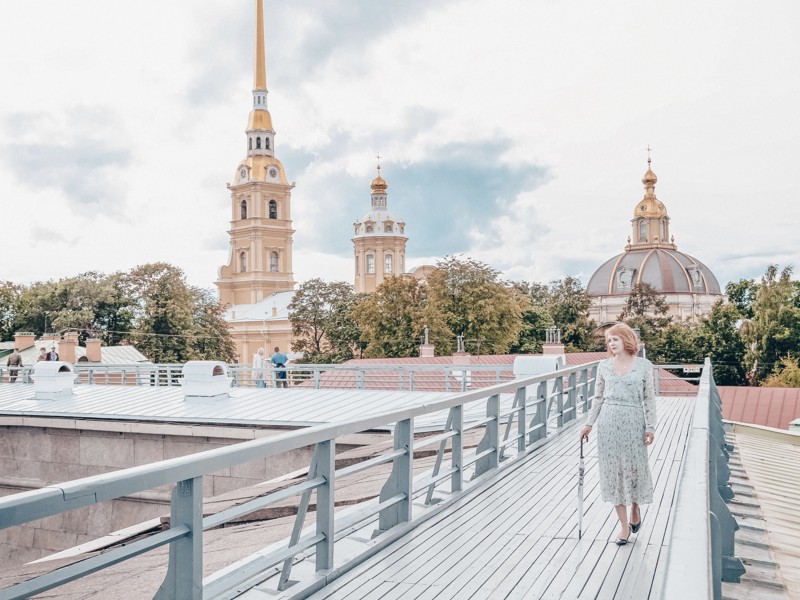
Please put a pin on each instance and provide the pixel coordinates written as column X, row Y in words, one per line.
column 648, row 438
column 585, row 432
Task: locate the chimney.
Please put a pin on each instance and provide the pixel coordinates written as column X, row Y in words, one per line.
column 66, row 347
column 459, row 356
column 426, row 349
column 93, row 353
column 24, row 340
column 552, row 343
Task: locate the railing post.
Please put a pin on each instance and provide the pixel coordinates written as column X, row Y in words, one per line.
column 400, row 479
column 360, row 379
column 184, row 577
column 572, row 398
column 491, row 438
column 558, row 392
column 538, row 426
column 522, row 419
column 457, row 480
column 583, row 383
column 326, row 467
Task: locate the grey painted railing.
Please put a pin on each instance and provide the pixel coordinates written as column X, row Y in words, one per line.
column 520, row 416
column 401, row 377
column 701, row 546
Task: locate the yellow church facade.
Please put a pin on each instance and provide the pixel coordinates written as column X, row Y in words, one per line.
column 257, row 283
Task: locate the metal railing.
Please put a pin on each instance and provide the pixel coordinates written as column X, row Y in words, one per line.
column 520, row 416
column 399, row 377
column 701, row 545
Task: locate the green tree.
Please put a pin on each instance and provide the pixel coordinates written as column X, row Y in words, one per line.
column 321, row 323
column 718, row 337
column 173, row 321
column 774, row 330
column 646, row 310
column 568, row 304
column 536, row 318
column 393, row 318
column 469, row 298
column 10, row 295
column 785, row 374
column 742, row 294
column 211, row 335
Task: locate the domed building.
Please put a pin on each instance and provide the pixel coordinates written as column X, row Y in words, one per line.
column 379, row 242
column 651, row 256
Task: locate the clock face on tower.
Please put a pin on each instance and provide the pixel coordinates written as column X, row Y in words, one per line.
column 243, row 174
column 273, row 173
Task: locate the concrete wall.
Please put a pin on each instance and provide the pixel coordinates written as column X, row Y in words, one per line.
column 33, row 457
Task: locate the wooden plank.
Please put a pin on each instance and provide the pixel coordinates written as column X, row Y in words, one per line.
column 517, row 538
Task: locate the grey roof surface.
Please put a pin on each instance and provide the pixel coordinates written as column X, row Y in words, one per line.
column 246, row 406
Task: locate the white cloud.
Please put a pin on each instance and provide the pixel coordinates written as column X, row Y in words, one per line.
column 576, row 88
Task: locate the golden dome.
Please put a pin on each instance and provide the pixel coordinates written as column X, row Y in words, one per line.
column 379, row 183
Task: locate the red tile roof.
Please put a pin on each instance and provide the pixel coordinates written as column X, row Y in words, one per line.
column 770, row 407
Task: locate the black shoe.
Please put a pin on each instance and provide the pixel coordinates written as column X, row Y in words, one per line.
column 623, row 541
column 635, row 526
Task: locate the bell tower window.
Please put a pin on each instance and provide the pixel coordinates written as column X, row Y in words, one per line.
column 258, row 143
column 273, row 209
column 388, row 264
column 273, row 262
column 244, row 209
column 370, row 264
column 242, row 262
column 642, row 231
column 250, row 143
column 266, row 143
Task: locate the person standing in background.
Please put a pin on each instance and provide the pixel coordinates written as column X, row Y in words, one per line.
column 259, row 365
column 279, row 359
column 14, row 363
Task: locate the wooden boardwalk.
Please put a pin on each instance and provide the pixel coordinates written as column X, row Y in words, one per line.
column 516, row 536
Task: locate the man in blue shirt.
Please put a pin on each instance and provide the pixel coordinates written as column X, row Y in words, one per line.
column 279, row 361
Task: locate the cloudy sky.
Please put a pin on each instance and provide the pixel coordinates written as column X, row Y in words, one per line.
column 511, row 131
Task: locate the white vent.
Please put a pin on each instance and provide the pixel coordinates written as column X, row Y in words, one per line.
column 206, row 380
column 53, row 380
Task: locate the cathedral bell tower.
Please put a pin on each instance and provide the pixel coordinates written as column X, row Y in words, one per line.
column 260, row 261
column 379, row 242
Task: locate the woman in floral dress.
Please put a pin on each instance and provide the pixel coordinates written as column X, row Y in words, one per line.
column 624, row 410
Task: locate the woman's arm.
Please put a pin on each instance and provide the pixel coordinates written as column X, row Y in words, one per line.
column 597, row 403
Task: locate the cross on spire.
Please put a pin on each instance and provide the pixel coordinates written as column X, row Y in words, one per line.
column 648, row 153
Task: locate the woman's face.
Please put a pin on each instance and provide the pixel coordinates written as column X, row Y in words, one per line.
column 615, row 344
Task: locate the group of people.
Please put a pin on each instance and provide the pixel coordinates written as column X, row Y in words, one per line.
column 14, row 362
column 278, row 362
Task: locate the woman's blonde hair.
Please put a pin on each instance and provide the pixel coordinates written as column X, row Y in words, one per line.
column 628, row 336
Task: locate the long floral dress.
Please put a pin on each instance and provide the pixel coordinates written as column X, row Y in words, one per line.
column 624, row 409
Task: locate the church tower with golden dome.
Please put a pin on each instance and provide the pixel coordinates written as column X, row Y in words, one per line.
column 379, row 241
column 260, row 260
column 651, row 256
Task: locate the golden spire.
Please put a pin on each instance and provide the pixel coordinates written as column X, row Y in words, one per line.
column 260, row 72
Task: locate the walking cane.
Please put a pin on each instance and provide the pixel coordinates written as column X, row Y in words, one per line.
column 580, row 492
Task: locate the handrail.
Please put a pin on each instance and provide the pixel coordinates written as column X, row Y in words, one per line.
column 396, row 376
column 393, row 508
column 700, row 549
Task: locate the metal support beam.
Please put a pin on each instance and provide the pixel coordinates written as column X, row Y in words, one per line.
column 326, row 467
column 184, row 577
column 491, row 438
column 400, row 479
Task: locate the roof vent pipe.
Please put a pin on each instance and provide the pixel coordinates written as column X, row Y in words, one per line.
column 53, row 380
column 206, row 380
